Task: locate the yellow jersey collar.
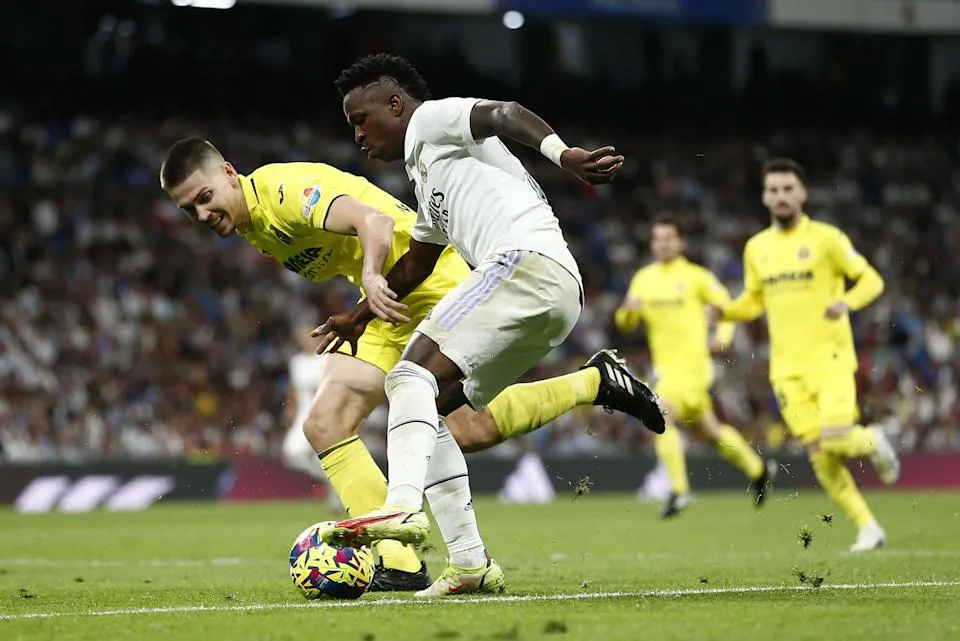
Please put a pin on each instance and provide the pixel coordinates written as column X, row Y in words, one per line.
column 678, row 262
column 801, row 226
column 252, row 197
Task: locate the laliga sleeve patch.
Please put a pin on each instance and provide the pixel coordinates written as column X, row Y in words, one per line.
column 309, row 199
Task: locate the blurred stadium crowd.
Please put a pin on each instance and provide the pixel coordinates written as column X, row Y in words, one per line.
column 126, row 332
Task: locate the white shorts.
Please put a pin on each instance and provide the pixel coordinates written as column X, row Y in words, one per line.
column 509, row 313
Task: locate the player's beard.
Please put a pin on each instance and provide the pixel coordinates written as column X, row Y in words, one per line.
column 786, row 218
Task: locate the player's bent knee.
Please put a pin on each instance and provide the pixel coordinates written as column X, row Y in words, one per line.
column 349, row 390
column 474, row 431
column 408, row 373
column 324, row 429
column 336, row 414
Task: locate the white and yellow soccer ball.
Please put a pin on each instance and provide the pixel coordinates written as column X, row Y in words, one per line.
column 320, row 570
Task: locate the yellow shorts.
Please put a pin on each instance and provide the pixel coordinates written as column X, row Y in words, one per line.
column 382, row 343
column 812, row 401
column 687, row 402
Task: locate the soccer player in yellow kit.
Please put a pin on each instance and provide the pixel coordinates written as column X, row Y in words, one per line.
column 670, row 297
column 796, row 270
column 320, row 222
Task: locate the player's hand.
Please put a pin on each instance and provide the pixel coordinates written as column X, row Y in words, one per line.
column 837, row 310
column 592, row 167
column 714, row 314
column 383, row 300
column 339, row 329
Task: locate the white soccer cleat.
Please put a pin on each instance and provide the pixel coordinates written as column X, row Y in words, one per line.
column 870, row 537
column 455, row 580
column 884, row 459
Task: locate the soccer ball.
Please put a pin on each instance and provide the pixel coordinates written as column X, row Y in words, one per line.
column 321, row 570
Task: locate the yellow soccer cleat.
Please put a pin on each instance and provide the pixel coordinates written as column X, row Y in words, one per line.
column 387, row 523
column 456, row 580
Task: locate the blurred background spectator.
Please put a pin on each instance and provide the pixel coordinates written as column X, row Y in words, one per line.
column 125, row 332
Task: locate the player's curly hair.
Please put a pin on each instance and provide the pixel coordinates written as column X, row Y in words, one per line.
column 370, row 69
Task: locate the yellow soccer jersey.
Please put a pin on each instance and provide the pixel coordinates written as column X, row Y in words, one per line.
column 798, row 274
column 288, row 204
column 672, row 298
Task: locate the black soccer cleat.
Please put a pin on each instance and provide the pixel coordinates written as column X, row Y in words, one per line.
column 761, row 487
column 622, row 391
column 392, row 580
column 674, row 505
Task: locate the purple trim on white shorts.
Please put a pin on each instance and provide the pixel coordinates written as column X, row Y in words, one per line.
column 492, row 276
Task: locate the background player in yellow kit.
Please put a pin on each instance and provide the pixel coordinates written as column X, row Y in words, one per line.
column 321, row 222
column 796, row 270
column 670, row 297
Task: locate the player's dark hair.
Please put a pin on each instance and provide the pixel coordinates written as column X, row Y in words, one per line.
column 185, row 157
column 370, row 69
column 670, row 220
column 783, row 165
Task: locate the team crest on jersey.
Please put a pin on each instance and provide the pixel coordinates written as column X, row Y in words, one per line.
column 804, row 253
column 423, row 171
column 309, row 198
column 282, row 237
column 680, row 286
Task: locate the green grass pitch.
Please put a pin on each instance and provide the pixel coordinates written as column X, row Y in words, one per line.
column 598, row 567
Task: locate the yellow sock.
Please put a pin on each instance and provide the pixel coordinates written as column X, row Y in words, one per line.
column 735, row 449
column 669, row 448
column 362, row 488
column 836, row 481
column 854, row 443
column 522, row 408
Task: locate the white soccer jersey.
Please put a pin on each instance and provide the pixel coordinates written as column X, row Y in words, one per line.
column 476, row 195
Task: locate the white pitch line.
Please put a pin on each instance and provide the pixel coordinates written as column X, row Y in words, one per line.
column 482, row 600
column 556, row 558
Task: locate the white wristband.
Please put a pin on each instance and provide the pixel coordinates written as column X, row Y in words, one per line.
column 551, row 147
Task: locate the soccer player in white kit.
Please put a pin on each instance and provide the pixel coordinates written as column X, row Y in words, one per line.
column 521, row 300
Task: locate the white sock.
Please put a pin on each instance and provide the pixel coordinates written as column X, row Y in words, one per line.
column 448, row 490
column 411, row 432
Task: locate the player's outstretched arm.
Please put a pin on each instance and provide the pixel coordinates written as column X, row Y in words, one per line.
column 512, row 120
column 714, row 293
column 744, row 308
column 374, row 229
column 748, row 305
column 414, row 267
column 404, row 277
